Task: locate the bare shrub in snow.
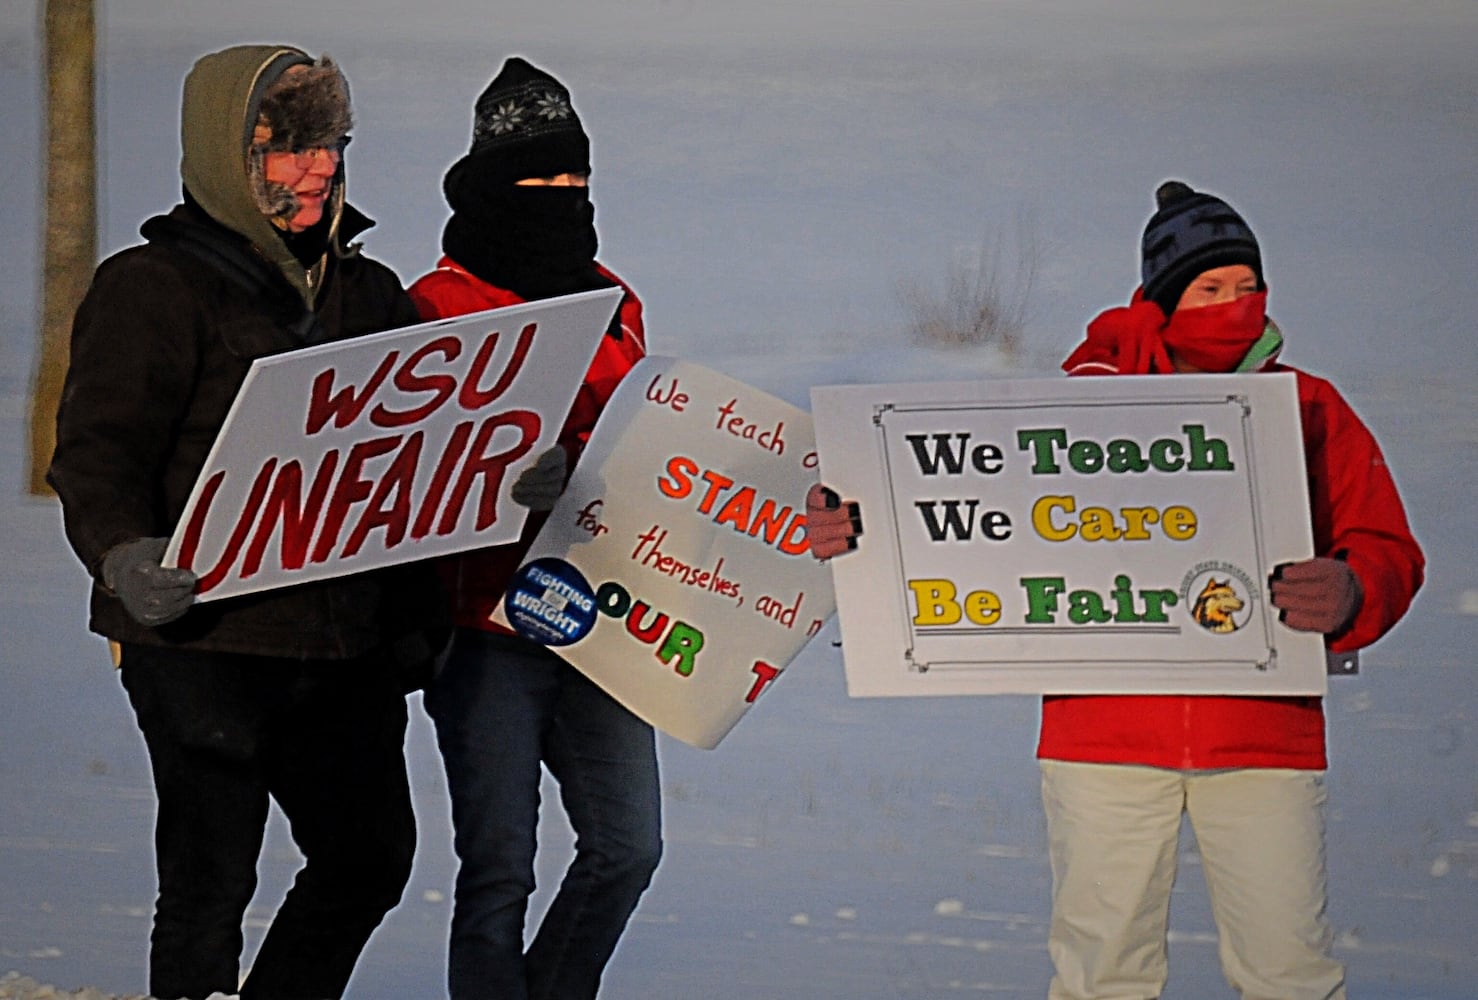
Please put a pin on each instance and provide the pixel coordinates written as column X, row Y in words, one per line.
column 986, row 295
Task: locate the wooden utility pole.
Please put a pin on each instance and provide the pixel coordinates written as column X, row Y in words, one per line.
column 70, row 253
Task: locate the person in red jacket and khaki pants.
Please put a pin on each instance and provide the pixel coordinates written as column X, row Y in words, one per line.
column 1118, row 772
column 522, row 228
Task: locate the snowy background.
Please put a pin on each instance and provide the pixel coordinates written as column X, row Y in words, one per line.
column 767, row 174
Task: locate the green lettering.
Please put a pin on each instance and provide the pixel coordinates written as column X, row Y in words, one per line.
column 1085, row 456
column 1155, row 603
column 1124, row 456
column 1165, row 455
column 1041, row 598
column 1043, row 443
column 1207, row 455
column 683, row 642
column 1085, row 606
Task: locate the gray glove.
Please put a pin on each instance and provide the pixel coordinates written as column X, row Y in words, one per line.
column 540, row 485
column 150, row 593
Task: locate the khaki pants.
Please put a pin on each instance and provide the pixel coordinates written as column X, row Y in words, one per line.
column 1112, row 832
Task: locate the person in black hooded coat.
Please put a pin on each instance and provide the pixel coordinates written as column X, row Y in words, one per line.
column 297, row 694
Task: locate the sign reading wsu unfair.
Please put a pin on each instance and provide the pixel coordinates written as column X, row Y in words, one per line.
column 384, row 449
column 1083, row 535
column 674, row 570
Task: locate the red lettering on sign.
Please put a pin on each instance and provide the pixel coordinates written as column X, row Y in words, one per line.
column 646, row 633
column 673, row 398
column 218, row 572
column 351, row 488
column 408, row 381
column 285, row 503
column 764, row 674
column 450, row 455
column 717, row 483
column 769, row 519
column 677, row 484
column 744, row 510
column 344, row 406
column 473, row 398
column 489, row 468
column 376, row 496
column 190, row 544
column 395, row 515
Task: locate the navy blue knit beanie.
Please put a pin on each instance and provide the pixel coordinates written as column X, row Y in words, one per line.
column 1190, row 233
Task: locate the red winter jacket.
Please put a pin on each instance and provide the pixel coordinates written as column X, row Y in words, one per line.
column 477, row 579
column 1356, row 512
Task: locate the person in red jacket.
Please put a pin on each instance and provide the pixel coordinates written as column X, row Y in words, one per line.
column 1118, row 772
column 522, row 228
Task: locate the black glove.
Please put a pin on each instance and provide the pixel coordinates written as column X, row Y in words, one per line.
column 150, row 593
column 539, row 486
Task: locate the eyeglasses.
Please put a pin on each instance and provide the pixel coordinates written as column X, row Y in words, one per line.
column 305, row 158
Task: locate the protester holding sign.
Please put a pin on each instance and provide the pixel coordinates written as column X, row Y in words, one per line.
column 293, row 695
column 1119, row 771
column 522, row 229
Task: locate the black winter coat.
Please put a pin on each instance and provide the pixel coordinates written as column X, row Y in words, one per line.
column 160, row 346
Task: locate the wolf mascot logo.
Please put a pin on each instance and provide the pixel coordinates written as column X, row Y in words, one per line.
column 1216, row 605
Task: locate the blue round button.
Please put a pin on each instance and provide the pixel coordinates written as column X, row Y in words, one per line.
column 550, row 602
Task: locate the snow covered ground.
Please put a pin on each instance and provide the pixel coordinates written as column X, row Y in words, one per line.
column 767, row 174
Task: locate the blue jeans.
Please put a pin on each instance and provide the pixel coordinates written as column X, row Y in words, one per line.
column 502, row 706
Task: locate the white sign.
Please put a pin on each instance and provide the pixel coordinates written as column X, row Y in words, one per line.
column 383, row 449
column 675, row 571
column 1073, row 535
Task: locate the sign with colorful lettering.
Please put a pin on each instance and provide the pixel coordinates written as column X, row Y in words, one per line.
column 384, row 449
column 1074, row 535
column 674, row 570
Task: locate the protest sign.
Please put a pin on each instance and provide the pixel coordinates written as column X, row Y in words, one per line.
column 1070, row 535
column 674, row 570
column 362, row 453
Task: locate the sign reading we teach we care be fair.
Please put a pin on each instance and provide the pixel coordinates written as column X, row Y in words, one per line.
column 1070, row 535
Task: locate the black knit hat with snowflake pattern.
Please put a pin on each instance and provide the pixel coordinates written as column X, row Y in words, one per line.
column 1191, row 232
column 525, row 126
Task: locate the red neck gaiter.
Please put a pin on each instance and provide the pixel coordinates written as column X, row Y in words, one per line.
column 1137, row 340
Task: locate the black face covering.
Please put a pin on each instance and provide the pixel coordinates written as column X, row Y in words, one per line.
column 537, row 241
